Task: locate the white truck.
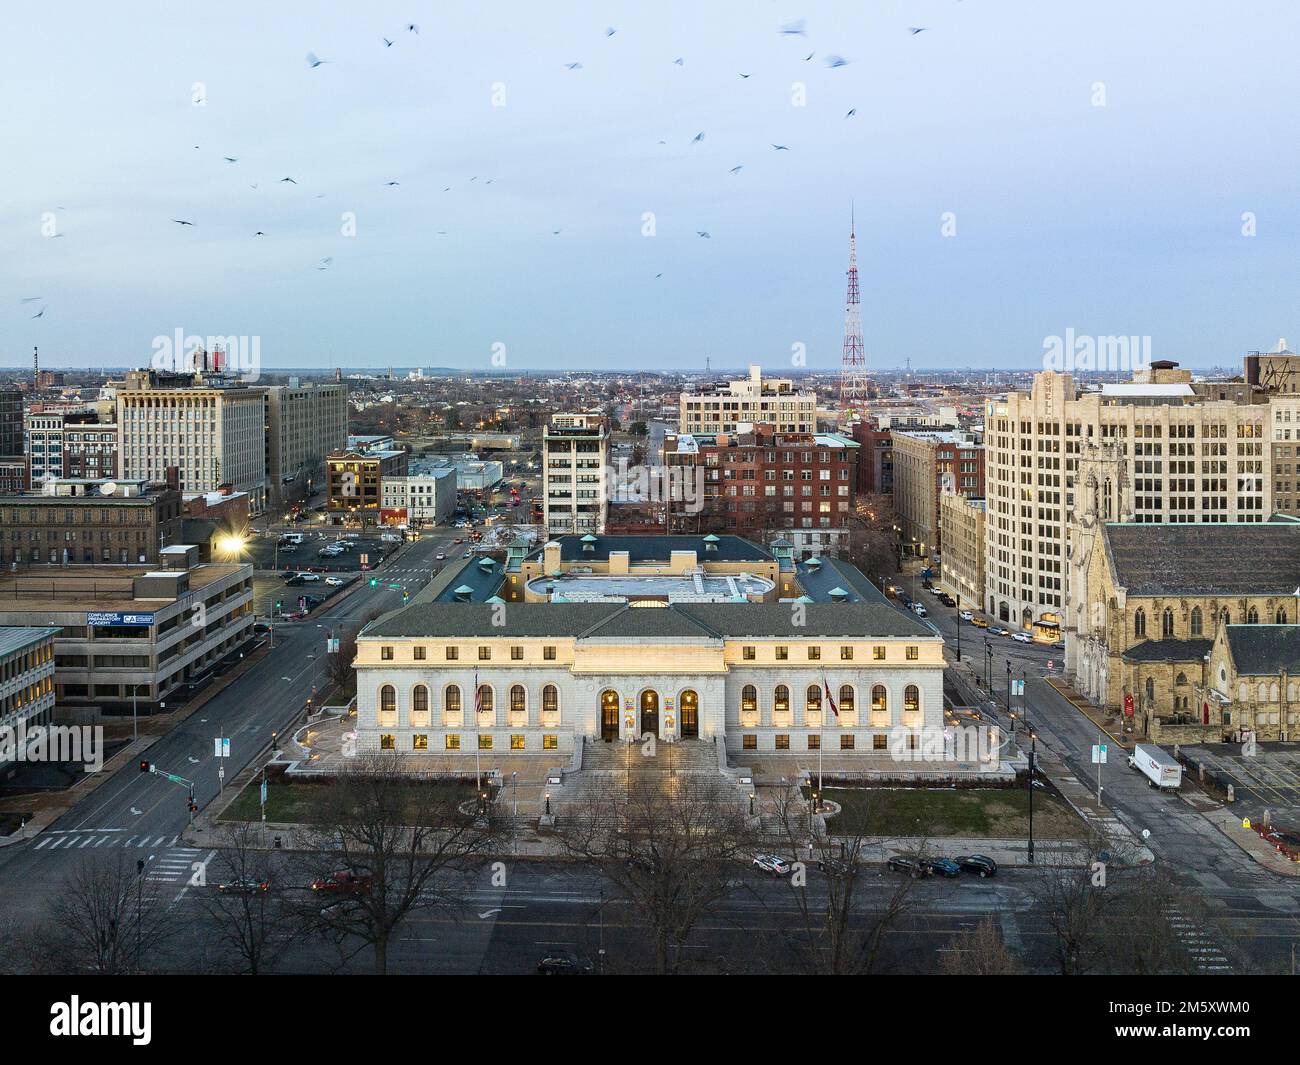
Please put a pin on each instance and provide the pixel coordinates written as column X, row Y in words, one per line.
column 1160, row 768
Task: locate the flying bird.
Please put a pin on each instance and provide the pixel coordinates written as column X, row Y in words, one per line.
column 387, row 42
column 703, row 233
column 679, row 62
column 30, row 299
column 411, row 27
column 836, row 61
column 326, row 263
column 809, row 56
column 40, row 313
column 391, row 184
column 313, row 61
column 572, row 66
column 698, row 137
column 447, row 189
column 781, row 147
column 794, row 29
column 259, row 233
column 610, row 31
column 737, row 169
column 746, row 75
column 851, row 112
column 182, row 222
column 230, row 158
column 657, row 276
column 914, row 30
column 289, row 180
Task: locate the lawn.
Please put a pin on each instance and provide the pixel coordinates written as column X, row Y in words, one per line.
column 995, row 813
column 299, row 802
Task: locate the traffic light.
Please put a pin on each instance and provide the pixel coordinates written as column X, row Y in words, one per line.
column 406, row 596
column 278, row 604
column 144, row 765
column 374, row 582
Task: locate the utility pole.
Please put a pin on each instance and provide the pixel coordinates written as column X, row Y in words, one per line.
column 1033, row 749
column 959, row 626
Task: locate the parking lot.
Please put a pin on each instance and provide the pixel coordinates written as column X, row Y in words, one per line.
column 1269, row 778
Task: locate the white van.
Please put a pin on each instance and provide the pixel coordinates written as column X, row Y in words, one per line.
column 291, row 538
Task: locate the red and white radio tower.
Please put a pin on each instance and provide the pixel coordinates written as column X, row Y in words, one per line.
column 853, row 363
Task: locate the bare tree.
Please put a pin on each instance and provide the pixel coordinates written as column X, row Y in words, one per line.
column 339, row 669
column 247, row 904
column 668, row 843
column 980, row 952
column 105, row 919
column 401, row 843
column 840, row 930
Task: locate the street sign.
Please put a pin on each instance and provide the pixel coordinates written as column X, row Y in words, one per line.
column 264, row 791
column 1017, row 687
column 222, row 747
column 1099, row 754
column 332, row 645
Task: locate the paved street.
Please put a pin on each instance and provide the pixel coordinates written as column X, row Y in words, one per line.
column 146, row 813
column 1200, row 856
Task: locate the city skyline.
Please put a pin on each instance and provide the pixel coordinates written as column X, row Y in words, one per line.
column 536, row 252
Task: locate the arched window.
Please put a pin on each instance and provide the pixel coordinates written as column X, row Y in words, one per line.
column 813, row 699
column 1182, row 678
column 1167, row 623
column 550, row 699
column 749, row 698
column 420, row 700
column 1225, row 618
column 1280, row 616
column 911, row 699
column 879, row 698
column 485, row 702
column 1151, row 690
column 1196, row 621
column 1140, row 623
column 451, row 699
column 388, row 699
column 781, row 699
column 846, row 698
column 517, row 702
column 1252, row 616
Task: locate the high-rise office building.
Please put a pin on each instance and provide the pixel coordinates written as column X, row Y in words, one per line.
column 575, row 453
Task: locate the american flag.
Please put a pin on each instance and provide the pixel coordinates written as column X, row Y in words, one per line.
column 829, row 699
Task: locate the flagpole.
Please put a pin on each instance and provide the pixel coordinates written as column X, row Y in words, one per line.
column 478, row 773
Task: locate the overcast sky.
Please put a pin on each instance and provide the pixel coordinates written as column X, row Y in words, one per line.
column 1117, row 219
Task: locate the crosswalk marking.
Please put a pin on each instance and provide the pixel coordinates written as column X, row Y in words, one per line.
column 100, row 838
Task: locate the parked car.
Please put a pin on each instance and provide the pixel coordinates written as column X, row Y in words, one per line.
column 440, row 556
column 335, row 581
column 244, row 885
column 919, row 610
column 1022, row 637
column 563, row 963
column 770, row 863
column 997, row 630
column 836, row 866
column 946, row 599
column 342, row 882
column 979, row 864
column 945, row 867
column 294, row 581
column 966, row 615
column 309, row 576
column 900, row 864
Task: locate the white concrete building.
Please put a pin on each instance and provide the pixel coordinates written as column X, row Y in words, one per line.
column 215, row 434
column 775, row 400
column 648, row 634
column 427, row 499
column 575, row 456
column 1189, row 459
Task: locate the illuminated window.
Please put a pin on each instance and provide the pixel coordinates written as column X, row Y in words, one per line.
column 453, row 653
column 484, row 742
column 846, row 654
column 878, row 653
column 420, row 742
column 550, row 699
column 911, row 699
column 550, row 742
column 782, row 742
column 846, row 699
column 749, row 742
column 451, row 743
column 913, row 653
column 451, row 699
column 517, row 705
column 387, row 743
column 388, row 699
column 879, row 698
column 814, row 654
column 846, row 741
column 517, row 741
column 386, row 654
column 749, row 699
column 814, row 742
column 781, row 700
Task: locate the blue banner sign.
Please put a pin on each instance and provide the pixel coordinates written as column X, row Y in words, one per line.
column 110, row 618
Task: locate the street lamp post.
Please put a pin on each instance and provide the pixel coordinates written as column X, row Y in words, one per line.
column 988, row 665
column 959, row 626
column 1033, row 750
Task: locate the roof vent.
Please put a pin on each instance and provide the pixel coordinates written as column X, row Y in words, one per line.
column 838, row 594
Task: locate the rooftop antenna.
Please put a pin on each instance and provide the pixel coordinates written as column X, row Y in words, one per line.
column 36, row 368
column 853, row 361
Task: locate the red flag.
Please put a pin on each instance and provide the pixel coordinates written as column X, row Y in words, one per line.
column 831, row 701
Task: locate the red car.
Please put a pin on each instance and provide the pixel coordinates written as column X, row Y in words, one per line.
column 342, row 882
column 459, row 540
